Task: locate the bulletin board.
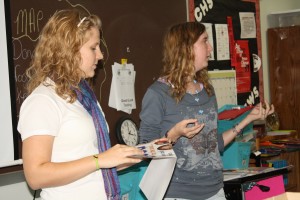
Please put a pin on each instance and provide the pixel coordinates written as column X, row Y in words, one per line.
column 132, row 29
column 231, row 19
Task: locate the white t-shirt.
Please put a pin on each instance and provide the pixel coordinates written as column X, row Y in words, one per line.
column 45, row 113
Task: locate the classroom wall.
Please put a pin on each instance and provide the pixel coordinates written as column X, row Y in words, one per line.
column 13, row 185
column 267, row 7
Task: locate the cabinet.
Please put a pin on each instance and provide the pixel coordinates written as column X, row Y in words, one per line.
column 284, row 75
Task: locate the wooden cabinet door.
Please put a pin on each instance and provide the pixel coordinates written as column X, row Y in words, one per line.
column 284, row 74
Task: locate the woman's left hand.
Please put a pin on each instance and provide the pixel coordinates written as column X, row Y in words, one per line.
column 261, row 111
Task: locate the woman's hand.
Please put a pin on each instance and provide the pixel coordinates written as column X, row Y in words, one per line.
column 120, row 156
column 187, row 128
column 261, row 111
column 161, row 141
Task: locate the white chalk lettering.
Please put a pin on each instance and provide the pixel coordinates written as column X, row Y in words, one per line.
column 202, row 9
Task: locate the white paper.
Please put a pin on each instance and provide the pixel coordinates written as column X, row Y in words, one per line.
column 208, row 28
column 248, row 25
column 159, row 172
column 122, row 94
column 222, row 40
column 157, row 178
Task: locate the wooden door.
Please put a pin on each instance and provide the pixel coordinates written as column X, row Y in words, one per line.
column 284, row 69
column 284, row 76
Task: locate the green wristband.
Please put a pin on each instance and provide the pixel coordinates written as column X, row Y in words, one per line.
column 96, row 161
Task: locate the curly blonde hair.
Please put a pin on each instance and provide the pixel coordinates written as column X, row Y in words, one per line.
column 57, row 55
column 178, row 58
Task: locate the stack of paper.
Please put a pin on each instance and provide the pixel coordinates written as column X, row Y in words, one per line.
column 122, row 95
column 159, row 172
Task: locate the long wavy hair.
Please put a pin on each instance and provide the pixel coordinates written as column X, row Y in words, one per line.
column 57, row 55
column 179, row 57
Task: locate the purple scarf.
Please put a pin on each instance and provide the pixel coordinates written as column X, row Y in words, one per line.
column 89, row 101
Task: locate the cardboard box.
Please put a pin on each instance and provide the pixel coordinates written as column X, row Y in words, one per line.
column 286, row 196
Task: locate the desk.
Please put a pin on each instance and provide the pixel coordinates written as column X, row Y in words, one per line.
column 233, row 188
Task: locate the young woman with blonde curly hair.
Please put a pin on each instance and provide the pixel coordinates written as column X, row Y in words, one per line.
column 66, row 146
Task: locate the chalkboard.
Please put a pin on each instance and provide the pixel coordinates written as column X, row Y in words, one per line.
column 133, row 29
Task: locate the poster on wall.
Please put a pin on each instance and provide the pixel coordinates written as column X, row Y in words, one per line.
column 235, row 41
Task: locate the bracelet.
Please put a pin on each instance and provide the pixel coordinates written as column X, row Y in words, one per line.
column 238, row 133
column 96, row 161
column 172, row 142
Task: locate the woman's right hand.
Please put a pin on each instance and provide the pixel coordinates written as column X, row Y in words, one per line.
column 187, row 128
column 120, row 155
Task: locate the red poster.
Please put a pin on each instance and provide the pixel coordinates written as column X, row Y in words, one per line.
column 242, row 66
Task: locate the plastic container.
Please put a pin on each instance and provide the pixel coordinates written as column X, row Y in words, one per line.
column 236, row 155
column 224, row 125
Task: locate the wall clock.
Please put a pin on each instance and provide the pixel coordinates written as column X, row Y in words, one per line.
column 127, row 131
